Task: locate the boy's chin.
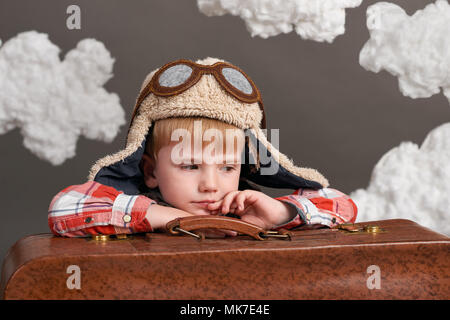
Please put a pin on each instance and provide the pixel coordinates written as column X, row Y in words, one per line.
column 202, row 212
column 199, row 210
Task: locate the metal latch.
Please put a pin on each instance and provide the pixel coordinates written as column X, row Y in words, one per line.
column 356, row 229
column 280, row 234
column 106, row 237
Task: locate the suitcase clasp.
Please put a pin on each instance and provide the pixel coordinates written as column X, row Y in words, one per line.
column 356, row 229
column 195, row 235
column 106, row 237
column 280, row 234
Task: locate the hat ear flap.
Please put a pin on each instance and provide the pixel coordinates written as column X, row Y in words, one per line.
column 268, row 167
column 123, row 175
column 122, row 169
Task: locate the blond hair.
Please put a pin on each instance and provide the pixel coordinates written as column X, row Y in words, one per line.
column 162, row 131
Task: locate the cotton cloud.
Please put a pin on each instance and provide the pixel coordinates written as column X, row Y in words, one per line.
column 53, row 102
column 411, row 182
column 414, row 48
column 319, row 20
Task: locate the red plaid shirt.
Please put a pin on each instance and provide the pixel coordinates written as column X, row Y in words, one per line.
column 93, row 208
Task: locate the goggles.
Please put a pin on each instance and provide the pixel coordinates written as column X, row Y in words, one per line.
column 177, row 76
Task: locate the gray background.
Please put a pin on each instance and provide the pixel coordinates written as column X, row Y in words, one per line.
column 332, row 114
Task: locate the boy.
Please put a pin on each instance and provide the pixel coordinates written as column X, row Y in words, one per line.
column 136, row 191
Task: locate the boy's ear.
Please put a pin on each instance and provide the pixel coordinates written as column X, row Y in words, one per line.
column 148, row 166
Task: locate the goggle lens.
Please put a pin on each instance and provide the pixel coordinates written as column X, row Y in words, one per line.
column 175, row 75
column 179, row 74
column 237, row 80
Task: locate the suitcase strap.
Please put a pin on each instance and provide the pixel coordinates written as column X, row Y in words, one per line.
column 188, row 224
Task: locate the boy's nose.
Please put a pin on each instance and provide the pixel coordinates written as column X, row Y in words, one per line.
column 208, row 182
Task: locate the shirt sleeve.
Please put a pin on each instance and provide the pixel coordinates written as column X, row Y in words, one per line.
column 92, row 208
column 316, row 208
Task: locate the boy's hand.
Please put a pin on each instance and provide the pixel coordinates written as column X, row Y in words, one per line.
column 254, row 207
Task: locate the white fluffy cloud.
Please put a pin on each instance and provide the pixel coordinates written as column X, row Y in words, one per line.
column 53, row 102
column 414, row 48
column 319, row 20
column 411, row 182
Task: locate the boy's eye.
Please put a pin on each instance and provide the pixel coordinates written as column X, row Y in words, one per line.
column 189, row 167
column 228, row 168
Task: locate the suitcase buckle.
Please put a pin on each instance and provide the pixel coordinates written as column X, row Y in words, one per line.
column 199, row 237
column 280, row 234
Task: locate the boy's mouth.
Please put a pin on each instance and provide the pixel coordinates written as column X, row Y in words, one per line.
column 203, row 204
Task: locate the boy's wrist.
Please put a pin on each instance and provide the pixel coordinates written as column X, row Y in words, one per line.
column 158, row 216
column 286, row 213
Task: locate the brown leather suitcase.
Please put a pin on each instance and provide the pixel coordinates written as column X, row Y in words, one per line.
column 390, row 259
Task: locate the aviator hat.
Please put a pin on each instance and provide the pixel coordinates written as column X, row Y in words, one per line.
column 209, row 88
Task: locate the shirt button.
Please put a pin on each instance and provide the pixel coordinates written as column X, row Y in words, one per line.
column 127, row 218
column 88, row 219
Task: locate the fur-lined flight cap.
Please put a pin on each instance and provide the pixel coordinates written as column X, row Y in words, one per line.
column 217, row 90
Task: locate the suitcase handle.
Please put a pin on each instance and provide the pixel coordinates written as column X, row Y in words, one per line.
column 188, row 224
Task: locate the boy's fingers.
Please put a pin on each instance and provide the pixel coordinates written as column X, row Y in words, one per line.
column 229, row 232
column 240, row 199
column 218, row 233
column 227, row 201
column 214, row 205
column 232, row 233
column 212, row 233
column 240, row 203
column 233, row 206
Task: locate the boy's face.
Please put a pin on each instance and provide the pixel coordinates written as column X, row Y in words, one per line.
column 189, row 185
